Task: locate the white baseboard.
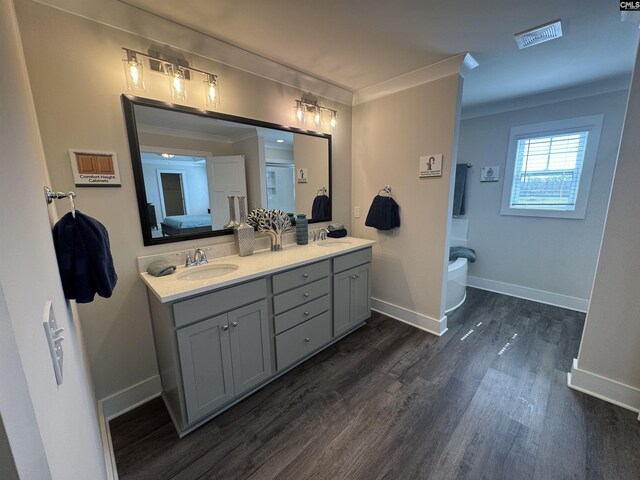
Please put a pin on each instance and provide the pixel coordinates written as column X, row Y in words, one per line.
column 115, row 405
column 541, row 296
column 131, row 397
column 415, row 319
column 604, row 388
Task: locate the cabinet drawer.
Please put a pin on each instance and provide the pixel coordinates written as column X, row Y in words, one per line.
column 300, row 276
column 298, row 296
column 302, row 313
column 194, row 309
column 351, row 260
column 300, row 341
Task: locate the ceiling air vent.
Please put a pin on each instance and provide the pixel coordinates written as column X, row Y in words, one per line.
column 540, row 34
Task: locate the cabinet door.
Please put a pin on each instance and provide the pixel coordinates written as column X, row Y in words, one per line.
column 205, row 362
column 341, row 302
column 250, row 345
column 361, row 294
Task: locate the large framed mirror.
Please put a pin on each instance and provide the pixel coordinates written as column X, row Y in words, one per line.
column 187, row 161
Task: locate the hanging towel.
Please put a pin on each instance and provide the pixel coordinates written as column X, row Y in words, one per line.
column 84, row 257
column 384, row 213
column 320, row 208
column 459, row 189
column 462, row 252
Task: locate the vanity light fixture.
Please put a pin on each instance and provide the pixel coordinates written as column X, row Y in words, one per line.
column 308, row 106
column 178, row 76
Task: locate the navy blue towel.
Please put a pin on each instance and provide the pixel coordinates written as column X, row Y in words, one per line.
column 384, row 213
column 459, row 189
column 320, row 208
column 84, row 257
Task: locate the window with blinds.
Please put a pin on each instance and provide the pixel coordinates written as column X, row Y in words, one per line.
column 547, row 171
column 550, row 166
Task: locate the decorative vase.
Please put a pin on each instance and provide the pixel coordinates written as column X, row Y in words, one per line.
column 232, row 223
column 302, row 229
column 245, row 237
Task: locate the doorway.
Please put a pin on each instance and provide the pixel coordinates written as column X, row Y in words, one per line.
column 172, row 193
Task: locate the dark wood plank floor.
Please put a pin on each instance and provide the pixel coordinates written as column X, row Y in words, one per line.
column 393, row 402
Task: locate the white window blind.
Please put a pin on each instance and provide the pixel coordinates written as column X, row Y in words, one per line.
column 547, row 171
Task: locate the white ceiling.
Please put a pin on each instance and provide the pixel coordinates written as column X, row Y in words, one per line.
column 358, row 43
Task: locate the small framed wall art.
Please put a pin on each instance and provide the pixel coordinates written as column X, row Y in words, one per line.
column 430, row 166
column 94, row 169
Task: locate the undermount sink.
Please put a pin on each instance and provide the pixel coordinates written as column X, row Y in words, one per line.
column 207, row 271
column 334, row 243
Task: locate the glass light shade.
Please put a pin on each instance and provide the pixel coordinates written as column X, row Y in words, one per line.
column 212, row 91
column 133, row 72
column 299, row 112
column 177, row 84
column 333, row 122
column 317, row 117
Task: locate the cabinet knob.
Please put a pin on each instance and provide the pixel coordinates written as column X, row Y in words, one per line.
column 307, row 339
column 354, row 276
column 306, row 314
column 225, row 327
column 306, row 294
column 305, row 275
column 358, row 275
column 234, row 324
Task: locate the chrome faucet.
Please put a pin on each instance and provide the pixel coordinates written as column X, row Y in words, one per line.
column 322, row 235
column 199, row 257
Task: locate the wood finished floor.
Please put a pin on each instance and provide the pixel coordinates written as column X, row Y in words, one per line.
column 393, row 402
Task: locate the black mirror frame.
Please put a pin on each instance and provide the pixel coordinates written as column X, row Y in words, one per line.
column 128, row 104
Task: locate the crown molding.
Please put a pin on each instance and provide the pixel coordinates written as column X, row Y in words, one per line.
column 122, row 16
column 458, row 64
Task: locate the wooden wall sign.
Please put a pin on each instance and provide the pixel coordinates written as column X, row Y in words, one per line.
column 94, row 169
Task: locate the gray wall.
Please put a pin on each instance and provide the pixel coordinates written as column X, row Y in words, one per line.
column 85, row 112
column 548, row 254
column 611, row 338
column 390, row 134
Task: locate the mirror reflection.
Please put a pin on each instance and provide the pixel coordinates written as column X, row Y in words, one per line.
column 187, row 162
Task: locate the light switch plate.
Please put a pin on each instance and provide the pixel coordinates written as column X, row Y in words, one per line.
column 356, row 212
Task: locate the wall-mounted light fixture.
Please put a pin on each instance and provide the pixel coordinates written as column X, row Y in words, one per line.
column 178, row 75
column 309, row 111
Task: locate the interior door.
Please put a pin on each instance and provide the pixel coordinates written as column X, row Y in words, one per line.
column 173, row 193
column 226, row 177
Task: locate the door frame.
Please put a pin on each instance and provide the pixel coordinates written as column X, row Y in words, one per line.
column 183, row 186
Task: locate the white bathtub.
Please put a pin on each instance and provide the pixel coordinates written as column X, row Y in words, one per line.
column 456, row 284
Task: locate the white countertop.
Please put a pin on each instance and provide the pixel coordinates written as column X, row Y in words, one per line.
column 170, row 288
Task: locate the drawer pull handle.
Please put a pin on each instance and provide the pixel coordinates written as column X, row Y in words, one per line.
column 305, row 275
column 306, row 294
column 306, row 314
column 307, row 339
column 225, row 327
column 234, row 324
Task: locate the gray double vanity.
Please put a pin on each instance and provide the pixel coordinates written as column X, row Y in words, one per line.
column 227, row 328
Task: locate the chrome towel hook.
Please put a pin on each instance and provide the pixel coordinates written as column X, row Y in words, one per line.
column 50, row 196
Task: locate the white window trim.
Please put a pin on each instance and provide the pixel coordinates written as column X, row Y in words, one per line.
column 592, row 124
